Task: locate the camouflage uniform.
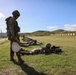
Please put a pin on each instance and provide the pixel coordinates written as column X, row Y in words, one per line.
column 12, row 33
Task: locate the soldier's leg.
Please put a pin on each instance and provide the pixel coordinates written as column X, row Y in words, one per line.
column 11, row 52
column 19, row 57
column 18, row 53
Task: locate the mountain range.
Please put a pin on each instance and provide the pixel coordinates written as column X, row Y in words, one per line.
column 42, row 33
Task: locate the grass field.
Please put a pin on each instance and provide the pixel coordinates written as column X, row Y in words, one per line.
column 53, row 64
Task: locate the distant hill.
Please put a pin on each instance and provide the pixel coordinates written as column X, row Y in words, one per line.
column 42, row 33
column 58, row 31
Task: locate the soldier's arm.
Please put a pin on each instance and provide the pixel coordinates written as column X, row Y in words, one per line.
column 12, row 24
column 18, row 28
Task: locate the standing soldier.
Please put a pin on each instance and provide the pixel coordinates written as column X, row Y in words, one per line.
column 12, row 33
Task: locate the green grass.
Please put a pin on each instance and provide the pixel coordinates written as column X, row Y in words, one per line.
column 53, row 64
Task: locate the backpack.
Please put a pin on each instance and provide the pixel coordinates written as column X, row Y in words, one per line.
column 7, row 25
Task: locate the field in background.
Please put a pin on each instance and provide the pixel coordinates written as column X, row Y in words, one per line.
column 53, row 64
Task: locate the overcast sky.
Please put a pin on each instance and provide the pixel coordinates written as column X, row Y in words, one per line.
column 40, row 14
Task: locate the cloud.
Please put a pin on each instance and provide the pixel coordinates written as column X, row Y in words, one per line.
column 69, row 27
column 1, row 15
column 52, row 28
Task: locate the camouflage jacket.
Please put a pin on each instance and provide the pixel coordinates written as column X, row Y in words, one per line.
column 12, row 28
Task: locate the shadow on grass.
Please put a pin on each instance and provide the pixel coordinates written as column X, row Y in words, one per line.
column 29, row 70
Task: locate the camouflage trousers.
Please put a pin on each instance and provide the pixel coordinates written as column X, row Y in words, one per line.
column 12, row 52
